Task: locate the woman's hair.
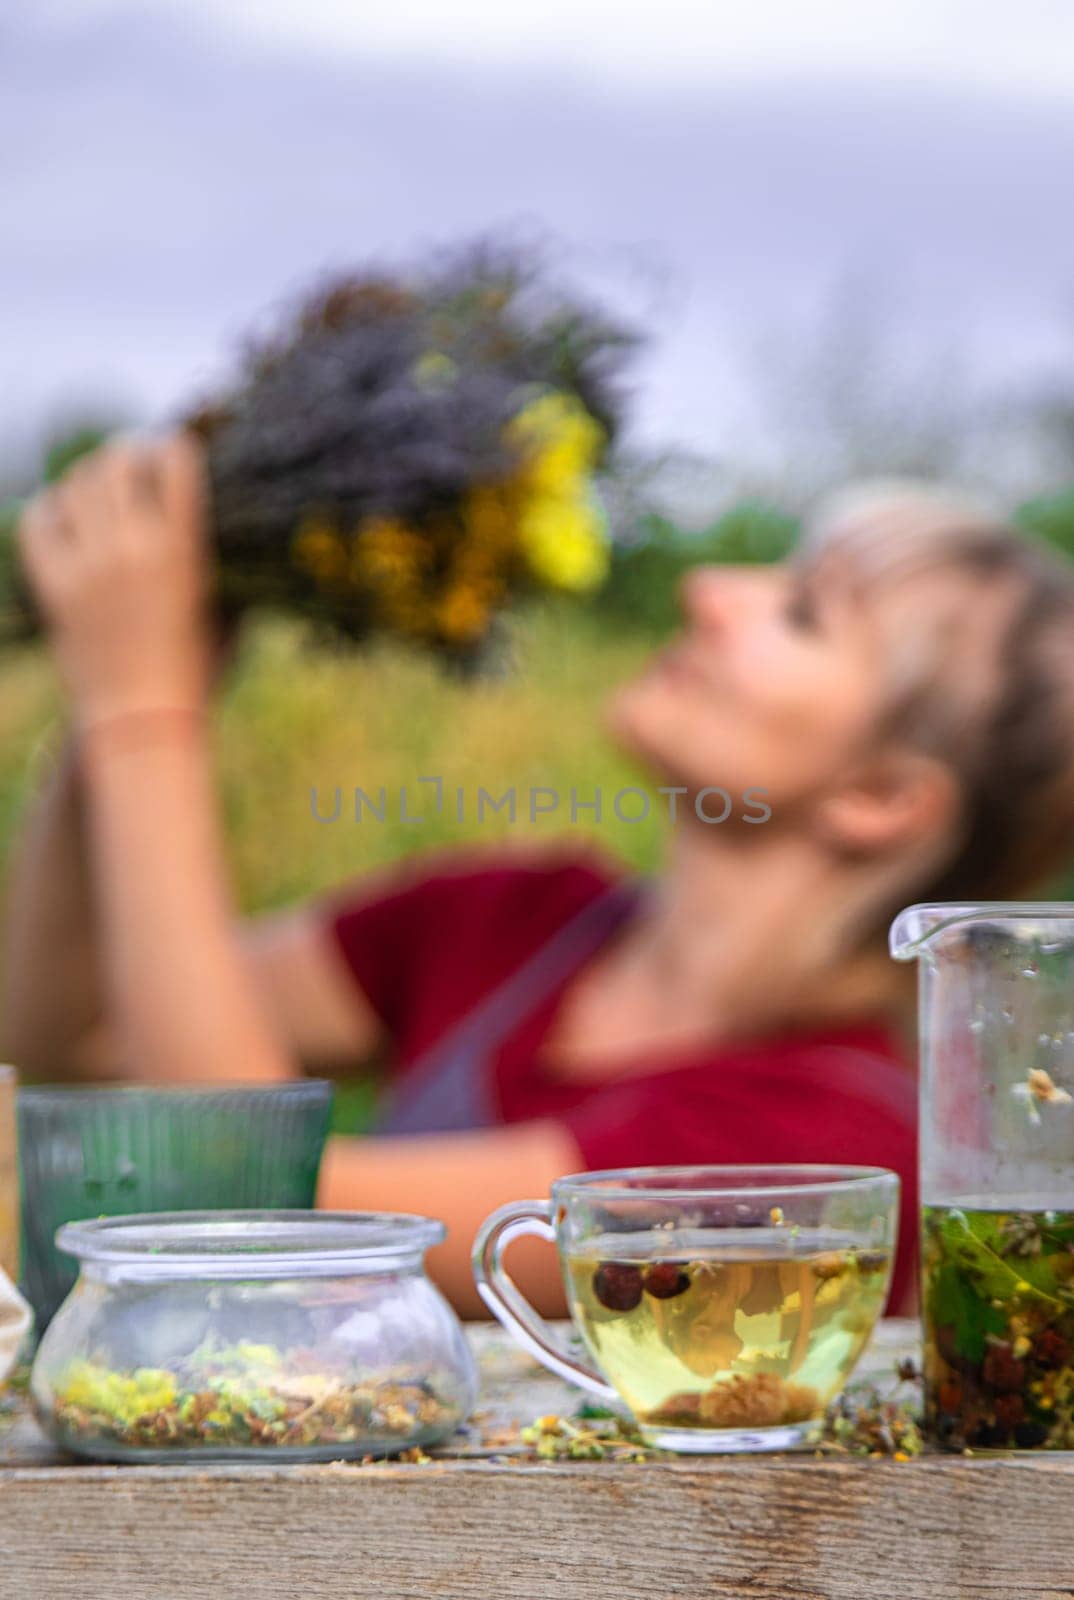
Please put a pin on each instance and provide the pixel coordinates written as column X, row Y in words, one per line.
column 1010, row 739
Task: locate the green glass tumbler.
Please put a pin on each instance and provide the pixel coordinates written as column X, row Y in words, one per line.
column 113, row 1151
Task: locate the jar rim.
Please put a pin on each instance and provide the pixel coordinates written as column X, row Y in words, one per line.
column 39, row 1095
column 254, row 1241
column 720, row 1182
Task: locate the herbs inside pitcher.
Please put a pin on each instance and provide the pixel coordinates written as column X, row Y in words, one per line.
column 999, row 1327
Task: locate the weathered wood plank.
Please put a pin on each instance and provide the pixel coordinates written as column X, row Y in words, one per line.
column 740, row 1530
column 748, row 1528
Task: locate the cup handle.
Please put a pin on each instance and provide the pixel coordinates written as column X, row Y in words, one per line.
column 510, row 1306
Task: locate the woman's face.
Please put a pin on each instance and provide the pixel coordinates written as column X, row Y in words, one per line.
column 776, row 682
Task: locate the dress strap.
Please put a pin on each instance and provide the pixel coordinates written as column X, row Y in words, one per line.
column 449, row 1088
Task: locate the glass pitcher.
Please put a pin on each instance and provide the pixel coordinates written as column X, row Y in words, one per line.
column 996, row 1026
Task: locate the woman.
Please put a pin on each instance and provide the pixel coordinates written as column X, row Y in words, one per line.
column 903, row 693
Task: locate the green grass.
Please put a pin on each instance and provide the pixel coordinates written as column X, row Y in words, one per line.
column 294, row 720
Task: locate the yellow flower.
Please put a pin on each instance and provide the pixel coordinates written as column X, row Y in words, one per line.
column 488, row 515
column 562, row 538
column 559, row 522
column 120, row 1396
column 561, row 441
column 389, row 561
column 460, row 617
column 387, row 553
column 319, row 549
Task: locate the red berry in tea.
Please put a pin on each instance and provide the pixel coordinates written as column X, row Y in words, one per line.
column 664, row 1280
column 617, row 1285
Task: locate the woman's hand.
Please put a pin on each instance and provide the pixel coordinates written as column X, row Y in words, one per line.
column 115, row 554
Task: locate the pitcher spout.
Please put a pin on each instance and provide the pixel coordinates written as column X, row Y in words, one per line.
column 916, row 927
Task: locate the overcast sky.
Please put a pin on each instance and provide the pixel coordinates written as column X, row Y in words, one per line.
column 170, row 169
column 1023, row 49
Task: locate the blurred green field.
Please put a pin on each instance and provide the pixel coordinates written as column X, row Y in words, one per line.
column 292, row 718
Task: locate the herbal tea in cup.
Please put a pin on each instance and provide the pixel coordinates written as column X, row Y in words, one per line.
column 725, row 1305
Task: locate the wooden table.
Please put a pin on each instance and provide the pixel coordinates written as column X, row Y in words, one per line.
column 480, row 1521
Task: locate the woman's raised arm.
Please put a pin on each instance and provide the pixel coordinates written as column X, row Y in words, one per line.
column 51, row 1003
column 116, row 558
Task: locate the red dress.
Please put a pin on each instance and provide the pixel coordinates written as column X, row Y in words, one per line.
column 440, row 957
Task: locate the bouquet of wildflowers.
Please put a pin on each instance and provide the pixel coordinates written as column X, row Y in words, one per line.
column 408, row 451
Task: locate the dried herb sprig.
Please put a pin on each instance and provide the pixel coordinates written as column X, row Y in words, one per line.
column 863, row 1421
column 591, row 1434
column 243, row 1396
column 866, row 1421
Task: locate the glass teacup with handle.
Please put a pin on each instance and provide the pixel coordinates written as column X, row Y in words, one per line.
column 996, row 1026
column 724, row 1306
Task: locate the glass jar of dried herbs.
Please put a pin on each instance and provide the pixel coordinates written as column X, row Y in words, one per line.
column 292, row 1336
